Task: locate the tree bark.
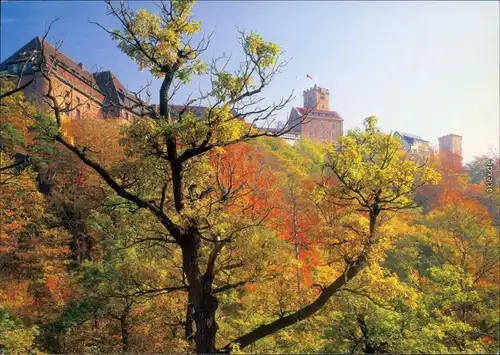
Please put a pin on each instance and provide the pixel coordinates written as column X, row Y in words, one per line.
column 176, row 169
column 165, row 86
column 188, row 331
column 203, row 300
column 124, row 329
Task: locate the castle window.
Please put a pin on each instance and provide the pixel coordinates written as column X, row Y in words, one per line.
column 67, row 109
column 88, row 107
column 14, row 68
column 126, row 116
column 77, row 114
column 78, row 101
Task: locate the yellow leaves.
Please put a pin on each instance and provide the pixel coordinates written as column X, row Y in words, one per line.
column 265, row 52
column 97, row 136
column 163, row 39
column 370, row 124
column 325, row 274
column 64, row 131
column 146, row 23
column 373, row 169
column 382, row 286
column 192, row 28
column 461, row 231
column 431, row 176
column 19, row 341
column 228, row 86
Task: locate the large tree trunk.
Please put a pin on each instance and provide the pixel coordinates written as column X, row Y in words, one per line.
column 204, row 302
column 176, row 169
column 188, row 331
column 124, row 329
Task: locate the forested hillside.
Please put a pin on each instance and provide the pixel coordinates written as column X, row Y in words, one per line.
column 184, row 234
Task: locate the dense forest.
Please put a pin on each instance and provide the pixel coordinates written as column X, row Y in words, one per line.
column 183, row 234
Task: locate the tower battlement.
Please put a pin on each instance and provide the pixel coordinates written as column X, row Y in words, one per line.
column 318, row 89
column 317, row 97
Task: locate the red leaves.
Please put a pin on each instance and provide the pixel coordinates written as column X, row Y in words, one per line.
column 51, row 283
column 488, row 339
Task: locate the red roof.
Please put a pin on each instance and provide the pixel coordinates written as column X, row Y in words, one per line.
column 318, row 110
column 319, row 113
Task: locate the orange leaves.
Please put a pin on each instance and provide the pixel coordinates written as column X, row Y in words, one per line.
column 454, row 202
column 453, row 183
column 241, row 168
column 15, row 296
column 98, row 136
column 51, row 283
column 32, row 254
column 488, row 339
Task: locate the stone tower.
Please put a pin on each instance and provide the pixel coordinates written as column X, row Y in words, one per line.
column 318, row 98
column 451, row 143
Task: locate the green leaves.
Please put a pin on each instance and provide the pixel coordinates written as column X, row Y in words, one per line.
column 373, row 169
column 14, row 337
column 259, row 50
column 160, row 43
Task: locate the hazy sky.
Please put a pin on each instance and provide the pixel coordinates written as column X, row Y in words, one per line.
column 427, row 68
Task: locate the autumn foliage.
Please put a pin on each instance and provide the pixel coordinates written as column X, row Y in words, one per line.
column 207, row 234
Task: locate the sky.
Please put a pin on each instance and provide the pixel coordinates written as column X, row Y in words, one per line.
column 428, row 68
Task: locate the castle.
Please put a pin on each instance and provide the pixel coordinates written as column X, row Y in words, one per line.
column 80, row 93
column 314, row 120
column 101, row 95
column 451, row 143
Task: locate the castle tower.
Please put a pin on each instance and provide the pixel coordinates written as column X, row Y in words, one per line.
column 318, row 98
column 451, row 143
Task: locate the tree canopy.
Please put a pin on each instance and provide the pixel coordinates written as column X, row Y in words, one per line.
column 207, row 233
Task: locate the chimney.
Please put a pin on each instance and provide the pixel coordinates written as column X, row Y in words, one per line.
column 81, row 66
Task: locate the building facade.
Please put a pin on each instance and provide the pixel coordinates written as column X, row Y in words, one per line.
column 84, row 94
column 80, row 93
column 415, row 146
column 315, row 120
column 451, row 143
column 291, row 138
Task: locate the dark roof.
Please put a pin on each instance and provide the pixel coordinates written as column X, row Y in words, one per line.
column 105, row 82
column 410, row 138
column 116, row 94
column 280, row 130
column 316, row 113
column 197, row 110
column 50, row 53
